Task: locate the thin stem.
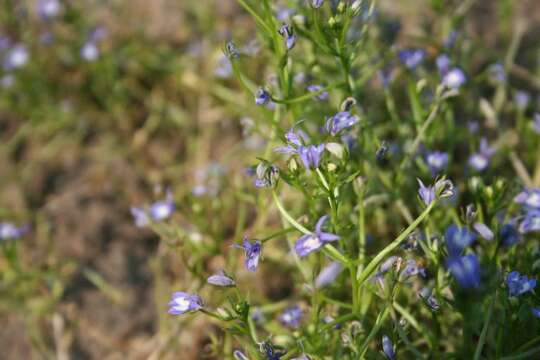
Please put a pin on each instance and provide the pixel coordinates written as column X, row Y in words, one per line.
column 287, row 216
column 483, row 335
column 378, row 323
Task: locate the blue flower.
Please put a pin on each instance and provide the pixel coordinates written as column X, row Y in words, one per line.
column 287, row 32
column 266, row 175
column 530, row 198
column 388, row 348
column 90, row 51
column 443, row 64
column 480, row 160
column 262, row 97
column 454, row 78
column 483, row 230
column 536, row 123
column 522, row 99
column 519, row 284
column 411, row 58
column 457, row 239
column 16, row 57
column 531, row 222
column 139, row 216
column 340, row 121
column 269, row 352
column 437, row 161
column 323, row 95
column 536, row 312
column 239, row 355
column 48, row 9
column 509, row 235
column 317, row 3
column 9, row 231
column 328, row 274
column 429, row 299
column 252, row 252
column 221, row 279
column 291, row 316
column 426, row 193
column 311, row 155
column 161, row 210
column 182, row 303
column 465, row 269
column 412, row 269
column 314, row 241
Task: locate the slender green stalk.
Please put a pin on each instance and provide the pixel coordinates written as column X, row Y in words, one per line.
column 374, row 331
column 483, row 335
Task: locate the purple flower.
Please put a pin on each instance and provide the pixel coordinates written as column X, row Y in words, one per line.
column 412, row 269
column 519, row 284
column 536, row 123
column 89, row 51
column 411, row 58
column 287, row 32
column 139, row 216
column 323, row 95
column 9, row 231
column 262, row 97
column 291, row 316
column 480, row 160
column 522, row 99
column 182, row 303
column 317, row 3
column 224, row 67
column 465, row 269
column 497, row 73
column 252, row 252
column 530, row 198
column 457, row 239
column 443, row 64
column 48, row 9
column 314, row 241
column 388, row 264
column 442, row 188
column 427, row 193
column 536, row 312
column 483, row 230
column 239, row 355
column 388, row 348
column 161, row 210
column 221, row 279
column 311, row 155
column 509, row 235
column 531, row 222
column 16, row 58
column 437, row 161
column 429, row 299
column 340, row 121
column 328, row 274
column 454, row 78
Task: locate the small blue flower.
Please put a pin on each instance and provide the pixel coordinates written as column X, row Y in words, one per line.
column 317, row 3
column 291, row 317
column 139, row 216
column 531, row 222
column 269, row 352
column 16, row 57
column 262, row 97
column 483, row 230
column 411, row 58
column 530, row 198
column 519, row 284
column 314, row 241
column 437, row 161
column 266, row 175
column 522, row 99
column 90, row 51
column 480, row 160
column 536, row 312
column 536, row 123
column 48, row 9
column 328, row 274
column 465, row 269
column 224, row 68
column 388, row 348
column 252, row 252
column 311, row 155
column 454, row 78
column 426, row 193
column 323, row 95
column 287, row 32
column 412, row 268
column 161, row 210
column 443, row 64
column 340, row 121
column 509, row 235
column 239, row 355
column 10, row 231
column 221, row 279
column 457, row 239
column 389, row 263
column 182, row 303
column 429, row 299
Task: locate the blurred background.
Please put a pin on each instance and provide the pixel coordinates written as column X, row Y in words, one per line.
column 107, row 104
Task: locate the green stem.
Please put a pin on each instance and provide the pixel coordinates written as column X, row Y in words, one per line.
column 378, row 324
column 483, row 335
